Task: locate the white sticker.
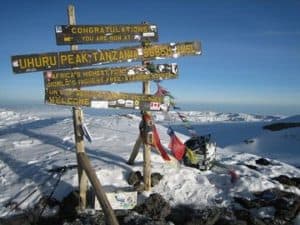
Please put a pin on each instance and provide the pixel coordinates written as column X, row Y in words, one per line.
column 154, row 106
column 48, row 75
column 175, row 55
column 149, row 34
column 130, row 72
column 58, row 29
column 112, row 103
column 137, row 37
column 129, row 103
column 174, row 68
column 99, row 104
column 140, row 51
column 153, row 27
column 121, row 101
column 164, row 107
column 161, row 67
column 15, row 63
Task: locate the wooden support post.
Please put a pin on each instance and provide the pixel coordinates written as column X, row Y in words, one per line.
column 79, row 142
column 135, row 150
column 146, row 146
column 100, row 193
column 77, row 122
column 147, row 161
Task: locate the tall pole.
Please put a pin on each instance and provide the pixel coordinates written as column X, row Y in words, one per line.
column 148, row 137
column 85, row 169
column 78, row 132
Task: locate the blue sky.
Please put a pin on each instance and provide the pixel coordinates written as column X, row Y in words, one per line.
column 251, row 49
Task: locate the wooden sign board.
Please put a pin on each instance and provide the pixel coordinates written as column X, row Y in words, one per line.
column 90, row 34
column 81, row 58
column 101, row 76
column 103, row 99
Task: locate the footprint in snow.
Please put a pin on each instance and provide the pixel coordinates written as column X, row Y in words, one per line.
column 26, row 143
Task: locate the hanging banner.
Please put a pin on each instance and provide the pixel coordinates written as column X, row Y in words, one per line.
column 81, row 58
column 101, row 76
column 91, row 34
column 101, row 99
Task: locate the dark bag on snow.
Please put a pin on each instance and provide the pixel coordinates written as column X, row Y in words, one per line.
column 200, row 152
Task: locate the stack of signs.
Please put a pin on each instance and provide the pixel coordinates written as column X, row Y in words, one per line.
column 60, row 84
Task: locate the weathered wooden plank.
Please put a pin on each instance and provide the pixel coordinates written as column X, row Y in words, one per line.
column 90, row 34
column 135, row 150
column 109, row 75
column 102, row 99
column 81, row 58
column 99, row 191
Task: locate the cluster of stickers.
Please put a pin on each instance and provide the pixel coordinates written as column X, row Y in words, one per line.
column 61, row 78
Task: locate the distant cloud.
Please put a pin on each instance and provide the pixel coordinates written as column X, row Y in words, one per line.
column 280, row 33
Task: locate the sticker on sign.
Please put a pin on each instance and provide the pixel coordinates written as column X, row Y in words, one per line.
column 154, row 106
column 99, row 104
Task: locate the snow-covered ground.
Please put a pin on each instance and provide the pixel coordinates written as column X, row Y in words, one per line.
column 34, row 140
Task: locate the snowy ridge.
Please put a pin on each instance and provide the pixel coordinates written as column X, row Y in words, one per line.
column 295, row 118
column 28, row 150
column 197, row 117
column 8, row 117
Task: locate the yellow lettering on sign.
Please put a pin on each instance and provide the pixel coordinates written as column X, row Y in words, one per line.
column 88, row 38
column 186, row 48
column 37, row 62
column 109, row 29
column 157, row 51
column 63, row 58
column 71, row 60
column 74, row 58
column 68, row 101
column 101, row 38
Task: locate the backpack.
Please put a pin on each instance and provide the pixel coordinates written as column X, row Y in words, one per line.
column 200, row 152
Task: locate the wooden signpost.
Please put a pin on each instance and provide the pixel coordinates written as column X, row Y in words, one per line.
column 62, row 87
